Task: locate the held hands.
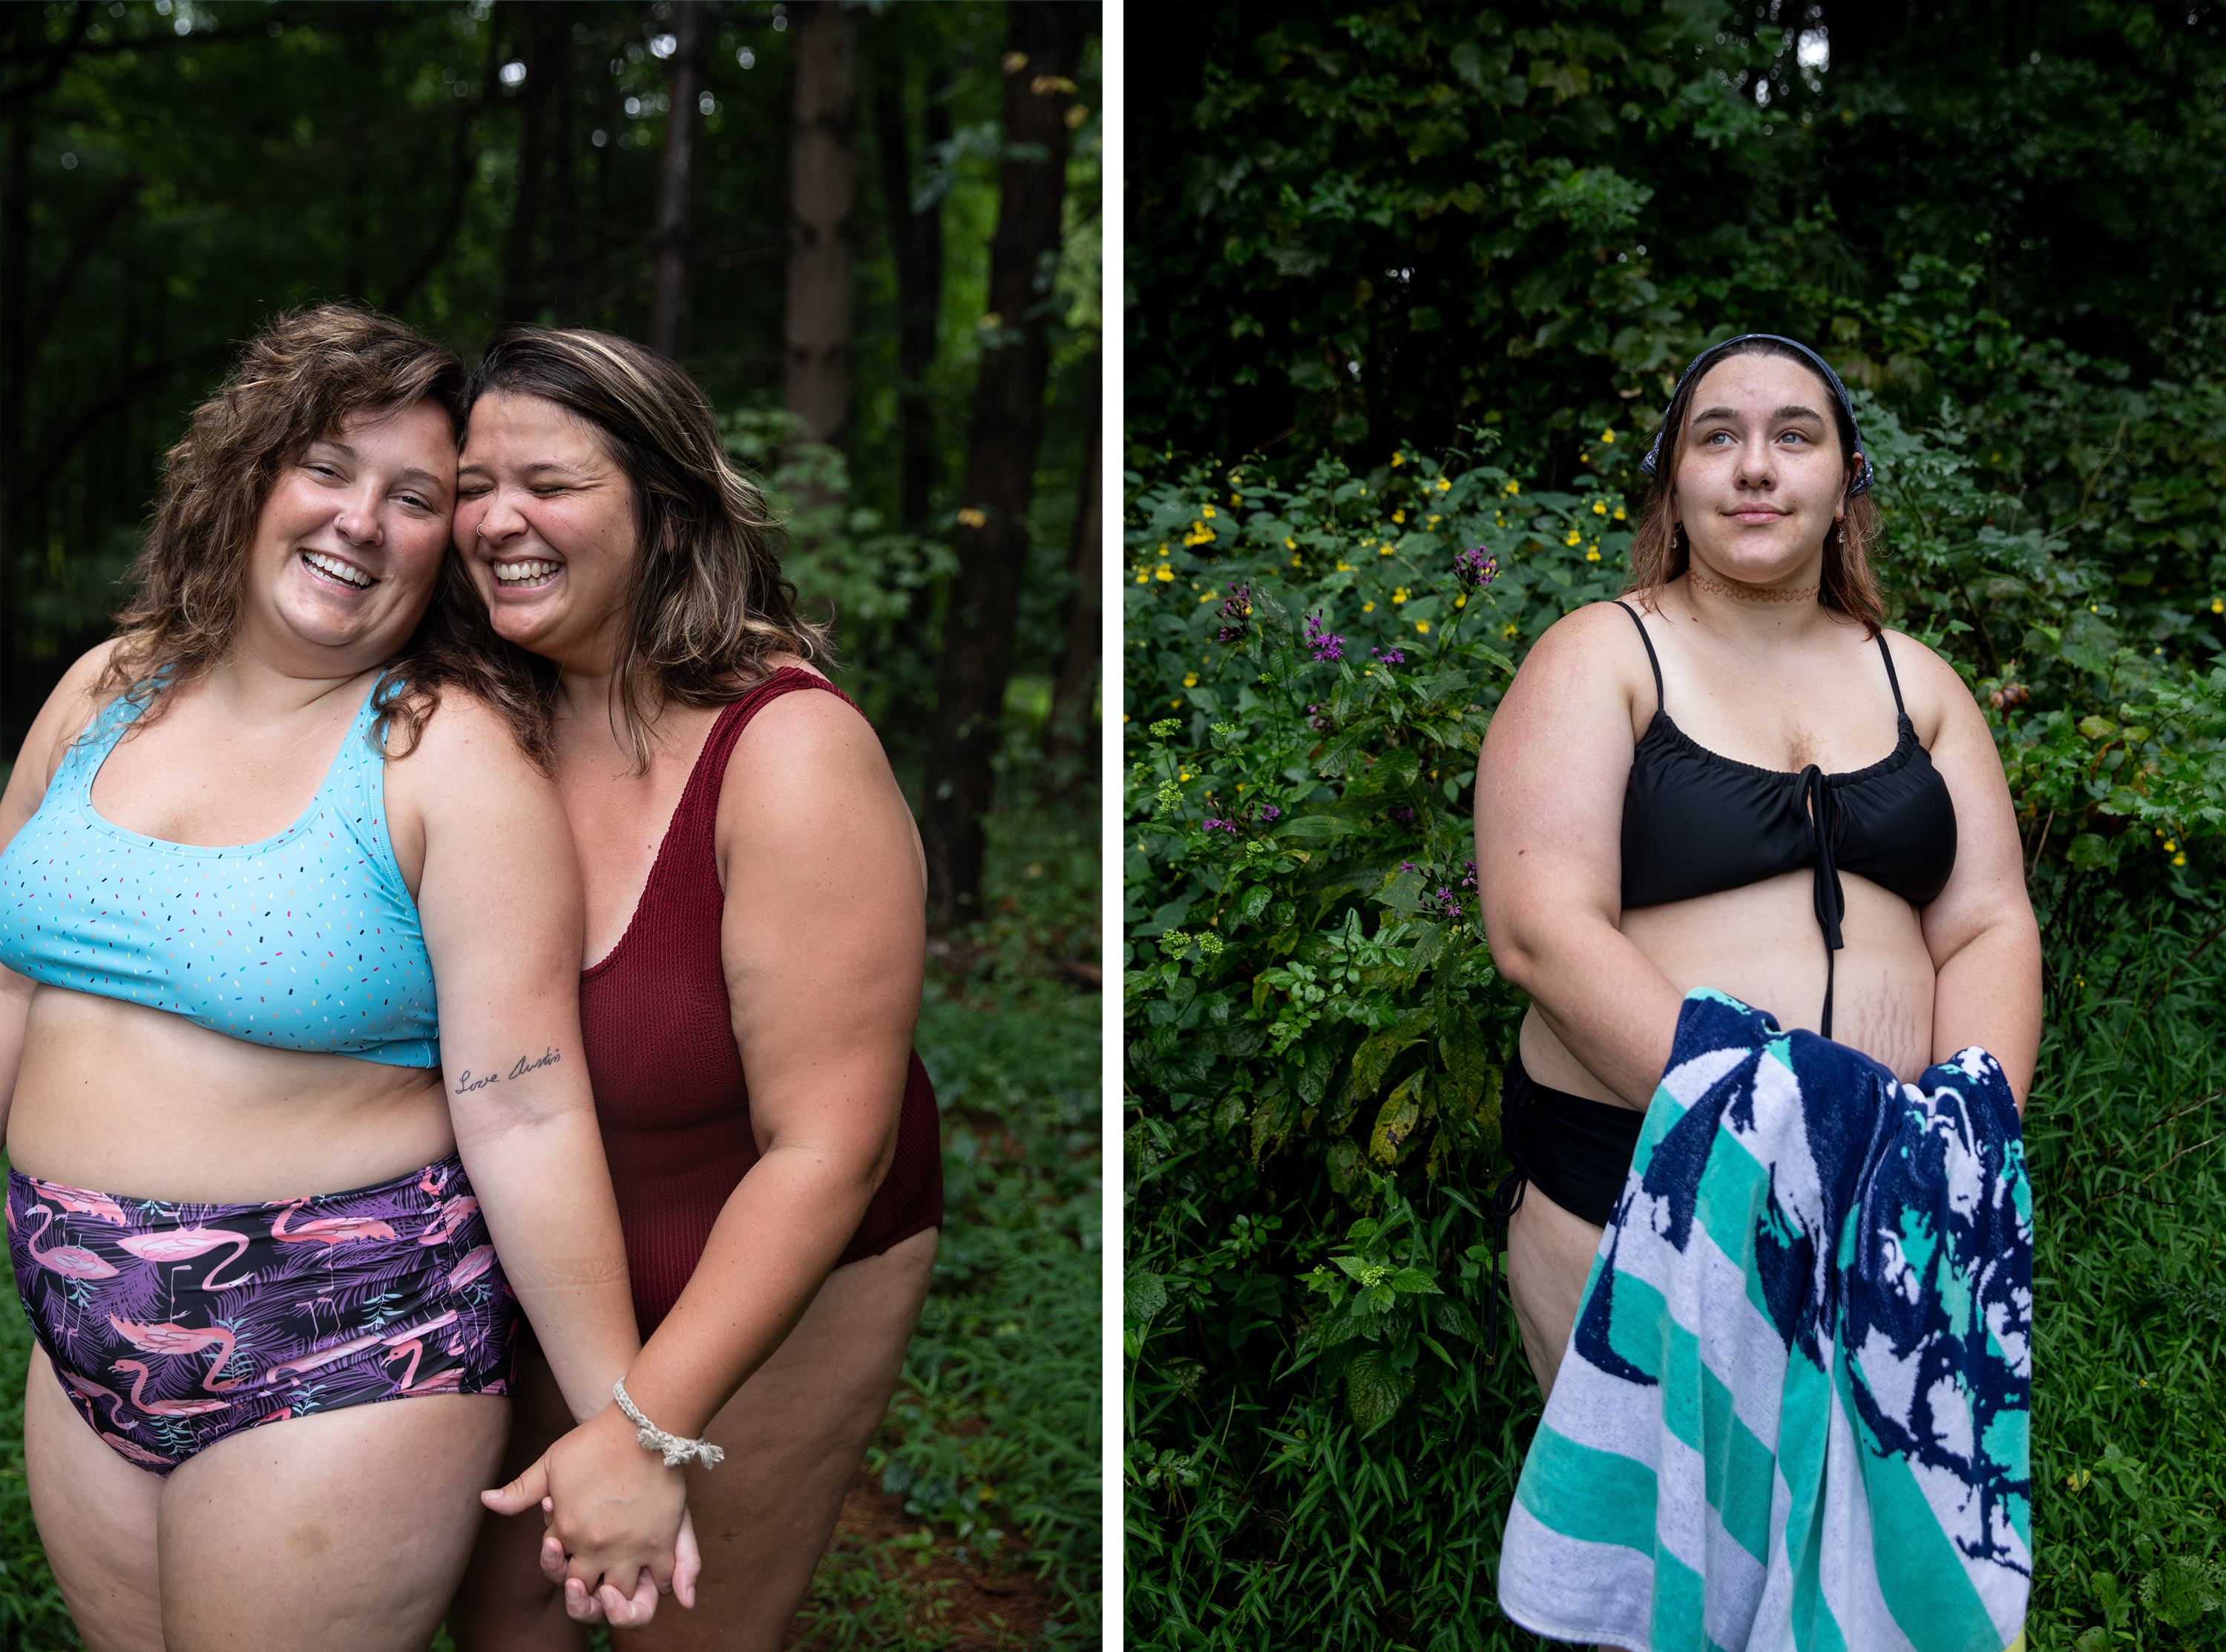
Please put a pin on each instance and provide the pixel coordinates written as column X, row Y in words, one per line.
column 619, row 1531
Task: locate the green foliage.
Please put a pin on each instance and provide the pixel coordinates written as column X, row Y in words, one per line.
column 1315, row 1029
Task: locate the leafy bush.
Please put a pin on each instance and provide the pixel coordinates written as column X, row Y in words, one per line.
column 1322, row 1427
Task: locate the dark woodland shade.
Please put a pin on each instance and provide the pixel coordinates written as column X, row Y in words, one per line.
column 708, row 607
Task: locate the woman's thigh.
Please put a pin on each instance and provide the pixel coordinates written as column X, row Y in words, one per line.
column 794, row 1435
column 348, row 1528
column 97, row 1516
column 1550, row 1255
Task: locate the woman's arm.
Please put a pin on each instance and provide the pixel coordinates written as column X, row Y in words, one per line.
column 67, row 712
column 824, row 942
column 1549, row 850
column 1985, row 946
column 500, row 902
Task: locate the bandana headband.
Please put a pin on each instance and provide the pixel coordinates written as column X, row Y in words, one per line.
column 1708, row 358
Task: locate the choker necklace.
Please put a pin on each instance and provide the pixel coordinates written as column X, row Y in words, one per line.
column 1746, row 593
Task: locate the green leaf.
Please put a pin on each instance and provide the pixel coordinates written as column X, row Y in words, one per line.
column 1395, row 1122
column 2183, row 1589
column 1143, row 1294
column 1381, row 1048
column 1375, row 1388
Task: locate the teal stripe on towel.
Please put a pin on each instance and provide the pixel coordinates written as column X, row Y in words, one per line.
column 1592, row 1495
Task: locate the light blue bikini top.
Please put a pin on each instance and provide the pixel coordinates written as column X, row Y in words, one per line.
column 306, row 941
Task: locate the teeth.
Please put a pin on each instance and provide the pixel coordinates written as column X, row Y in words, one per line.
column 519, row 573
column 338, row 570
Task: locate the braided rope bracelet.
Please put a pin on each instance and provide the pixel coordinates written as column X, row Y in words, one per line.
column 676, row 1450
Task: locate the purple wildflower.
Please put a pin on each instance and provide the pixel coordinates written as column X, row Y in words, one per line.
column 1469, row 882
column 1388, row 655
column 1235, row 613
column 1269, row 812
column 1404, row 816
column 1409, row 866
column 1475, row 566
column 1214, row 825
column 1328, row 646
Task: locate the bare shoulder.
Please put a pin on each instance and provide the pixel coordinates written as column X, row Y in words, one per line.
column 1935, row 697
column 802, row 742
column 76, row 700
column 1593, row 656
column 463, row 735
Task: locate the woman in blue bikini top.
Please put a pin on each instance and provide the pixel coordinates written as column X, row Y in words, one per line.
column 1762, row 792
column 290, row 1044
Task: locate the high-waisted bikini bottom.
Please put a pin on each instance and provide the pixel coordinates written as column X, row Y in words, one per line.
column 1571, row 1148
column 172, row 1325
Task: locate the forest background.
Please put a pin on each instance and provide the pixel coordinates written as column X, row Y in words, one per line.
column 1408, row 286
column 871, row 232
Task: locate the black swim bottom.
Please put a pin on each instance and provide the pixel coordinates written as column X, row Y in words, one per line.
column 1571, row 1148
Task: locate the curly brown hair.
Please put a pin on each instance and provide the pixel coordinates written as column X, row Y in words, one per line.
column 1658, row 550
column 298, row 381
column 709, row 607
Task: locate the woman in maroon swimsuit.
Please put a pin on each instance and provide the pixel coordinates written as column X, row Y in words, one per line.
column 755, row 946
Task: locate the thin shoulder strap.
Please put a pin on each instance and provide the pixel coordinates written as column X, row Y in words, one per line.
column 1653, row 659
column 1886, row 654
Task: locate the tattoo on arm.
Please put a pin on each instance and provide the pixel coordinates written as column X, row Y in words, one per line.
column 466, row 1083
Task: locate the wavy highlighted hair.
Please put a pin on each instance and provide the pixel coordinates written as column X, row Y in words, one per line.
column 1659, row 552
column 706, row 604
column 298, row 381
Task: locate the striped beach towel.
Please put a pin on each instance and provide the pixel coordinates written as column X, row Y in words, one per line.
column 1794, row 1409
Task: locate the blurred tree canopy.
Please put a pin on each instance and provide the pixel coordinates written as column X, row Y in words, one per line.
column 175, row 171
column 1349, row 228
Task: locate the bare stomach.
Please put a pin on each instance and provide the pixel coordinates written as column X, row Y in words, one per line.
column 1761, row 945
column 143, row 1104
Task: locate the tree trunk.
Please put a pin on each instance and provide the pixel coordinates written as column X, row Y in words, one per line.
column 916, row 238
column 668, row 291
column 821, row 191
column 1069, row 721
column 1043, row 41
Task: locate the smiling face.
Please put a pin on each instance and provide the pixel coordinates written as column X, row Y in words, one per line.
column 1760, row 474
column 347, row 549
column 546, row 521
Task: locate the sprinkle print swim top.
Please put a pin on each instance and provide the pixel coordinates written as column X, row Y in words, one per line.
column 306, row 941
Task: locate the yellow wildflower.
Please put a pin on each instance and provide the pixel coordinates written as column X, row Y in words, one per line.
column 1367, row 607
column 1599, row 507
column 1608, row 436
column 1433, row 521
column 1444, row 486
column 2216, row 606
column 1184, row 775
column 1190, row 680
column 1575, row 537
column 1593, row 554
column 1508, row 629
column 1143, row 579
column 1209, row 513
column 1237, row 499
column 1166, row 574
column 1398, row 516
column 1460, row 601
column 1398, row 458
column 1618, row 513
column 1400, row 594
column 1422, row 626
column 1290, row 544
column 1209, row 596
column 1383, row 550
column 1513, row 487
column 2180, row 858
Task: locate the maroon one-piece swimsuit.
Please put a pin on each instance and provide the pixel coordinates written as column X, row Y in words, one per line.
column 670, row 1094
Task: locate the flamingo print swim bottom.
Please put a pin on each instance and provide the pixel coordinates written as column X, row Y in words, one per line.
column 172, row 1325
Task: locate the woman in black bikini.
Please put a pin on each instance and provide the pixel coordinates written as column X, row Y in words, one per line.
column 1823, row 829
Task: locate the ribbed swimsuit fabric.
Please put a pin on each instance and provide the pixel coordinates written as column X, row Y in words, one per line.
column 308, row 940
column 670, row 1094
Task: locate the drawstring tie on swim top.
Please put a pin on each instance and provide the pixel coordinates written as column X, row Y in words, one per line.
column 1831, row 900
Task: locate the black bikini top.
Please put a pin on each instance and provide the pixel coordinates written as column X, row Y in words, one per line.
column 1695, row 823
